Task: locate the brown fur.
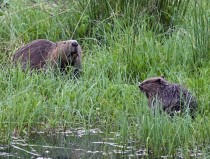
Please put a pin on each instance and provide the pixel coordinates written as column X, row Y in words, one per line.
column 40, row 54
column 172, row 97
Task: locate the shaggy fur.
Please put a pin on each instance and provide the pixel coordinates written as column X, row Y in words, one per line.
column 172, row 97
column 40, row 54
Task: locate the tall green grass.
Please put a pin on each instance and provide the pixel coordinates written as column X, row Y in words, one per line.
column 201, row 43
column 122, row 45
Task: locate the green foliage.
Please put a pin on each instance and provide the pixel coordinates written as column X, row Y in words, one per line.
column 123, row 42
column 201, row 30
column 161, row 15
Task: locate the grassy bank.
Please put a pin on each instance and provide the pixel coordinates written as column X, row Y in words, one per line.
column 121, row 47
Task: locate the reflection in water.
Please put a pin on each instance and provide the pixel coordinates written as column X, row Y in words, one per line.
column 71, row 144
column 79, row 144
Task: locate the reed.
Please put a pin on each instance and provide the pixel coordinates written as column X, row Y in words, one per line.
column 123, row 42
column 201, row 33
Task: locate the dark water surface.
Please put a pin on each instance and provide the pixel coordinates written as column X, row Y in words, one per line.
column 71, row 144
column 80, row 144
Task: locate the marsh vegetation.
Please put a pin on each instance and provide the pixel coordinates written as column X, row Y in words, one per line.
column 123, row 42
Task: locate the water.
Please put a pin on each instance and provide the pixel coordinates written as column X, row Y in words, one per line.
column 71, row 144
column 78, row 143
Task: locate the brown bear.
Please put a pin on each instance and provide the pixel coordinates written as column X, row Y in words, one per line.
column 172, row 97
column 41, row 54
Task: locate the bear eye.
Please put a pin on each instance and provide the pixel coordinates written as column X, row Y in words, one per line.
column 64, row 42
